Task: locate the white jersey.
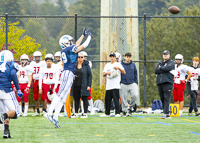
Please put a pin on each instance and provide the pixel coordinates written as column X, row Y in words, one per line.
column 24, row 72
column 59, row 68
column 181, row 73
column 194, row 82
column 90, row 64
column 49, row 76
column 37, row 67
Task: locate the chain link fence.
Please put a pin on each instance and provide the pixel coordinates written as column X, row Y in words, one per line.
column 145, row 37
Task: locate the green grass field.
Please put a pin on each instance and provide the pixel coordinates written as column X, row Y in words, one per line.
column 139, row 128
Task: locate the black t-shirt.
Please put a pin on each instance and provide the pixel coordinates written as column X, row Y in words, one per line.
column 78, row 77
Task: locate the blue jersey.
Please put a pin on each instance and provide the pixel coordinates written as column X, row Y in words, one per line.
column 69, row 58
column 8, row 73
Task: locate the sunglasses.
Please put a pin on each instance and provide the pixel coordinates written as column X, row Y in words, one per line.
column 80, row 57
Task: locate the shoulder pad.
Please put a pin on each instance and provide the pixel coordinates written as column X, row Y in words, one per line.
column 16, row 66
column 74, row 49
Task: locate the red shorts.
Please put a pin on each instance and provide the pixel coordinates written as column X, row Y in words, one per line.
column 45, row 89
column 22, row 87
column 178, row 92
column 36, row 90
column 57, row 89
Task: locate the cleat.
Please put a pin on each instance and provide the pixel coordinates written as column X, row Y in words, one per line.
column 189, row 114
column 50, row 118
column 6, row 134
column 117, row 115
column 84, row 116
column 36, row 114
column 43, row 113
column 56, row 123
column 24, row 115
column 74, row 116
column 197, row 114
column 92, row 112
column 166, row 117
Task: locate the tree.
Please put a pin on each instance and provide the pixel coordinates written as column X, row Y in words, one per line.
column 61, row 7
column 20, row 44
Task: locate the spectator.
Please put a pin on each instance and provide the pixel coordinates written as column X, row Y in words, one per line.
column 129, row 84
column 165, row 81
column 112, row 72
column 192, row 86
column 81, row 86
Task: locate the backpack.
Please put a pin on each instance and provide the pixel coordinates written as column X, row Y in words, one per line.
column 100, row 105
column 156, row 104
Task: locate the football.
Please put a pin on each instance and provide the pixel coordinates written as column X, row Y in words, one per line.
column 174, row 9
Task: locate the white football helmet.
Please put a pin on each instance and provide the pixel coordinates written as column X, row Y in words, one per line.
column 49, row 57
column 84, row 53
column 51, row 94
column 118, row 56
column 37, row 54
column 65, row 41
column 57, row 54
column 6, row 56
column 24, row 57
column 179, row 57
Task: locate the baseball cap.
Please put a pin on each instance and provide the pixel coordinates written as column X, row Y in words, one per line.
column 112, row 54
column 166, row 52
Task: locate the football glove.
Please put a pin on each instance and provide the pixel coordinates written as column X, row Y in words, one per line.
column 19, row 93
column 90, row 32
column 84, row 31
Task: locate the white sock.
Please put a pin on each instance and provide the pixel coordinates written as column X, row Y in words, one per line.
column 82, row 109
column 57, row 110
column 91, row 104
column 54, row 104
column 26, row 109
column 48, row 106
column 65, row 112
column 180, row 112
column 20, row 108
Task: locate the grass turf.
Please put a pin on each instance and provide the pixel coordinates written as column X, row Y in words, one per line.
column 139, row 128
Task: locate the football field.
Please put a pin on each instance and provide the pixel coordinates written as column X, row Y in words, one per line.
column 138, row 128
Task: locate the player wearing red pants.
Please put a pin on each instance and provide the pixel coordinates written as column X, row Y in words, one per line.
column 37, row 64
column 50, row 77
column 179, row 81
column 25, row 78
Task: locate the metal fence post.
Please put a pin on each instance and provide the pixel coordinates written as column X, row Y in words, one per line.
column 6, row 15
column 75, row 27
column 145, row 102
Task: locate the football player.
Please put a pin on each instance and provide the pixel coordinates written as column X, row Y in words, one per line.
column 8, row 73
column 179, row 81
column 50, row 76
column 37, row 64
column 25, row 78
column 69, row 54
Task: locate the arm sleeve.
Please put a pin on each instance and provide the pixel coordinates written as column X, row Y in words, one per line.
column 135, row 74
column 168, row 67
column 89, row 76
column 13, row 75
column 40, row 79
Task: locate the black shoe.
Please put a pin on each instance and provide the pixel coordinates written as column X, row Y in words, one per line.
column 129, row 112
column 135, row 107
column 6, row 134
column 124, row 114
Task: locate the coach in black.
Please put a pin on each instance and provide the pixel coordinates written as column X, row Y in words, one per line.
column 165, row 81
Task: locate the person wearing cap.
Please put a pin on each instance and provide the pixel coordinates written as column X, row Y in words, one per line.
column 129, row 84
column 112, row 71
column 165, row 81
